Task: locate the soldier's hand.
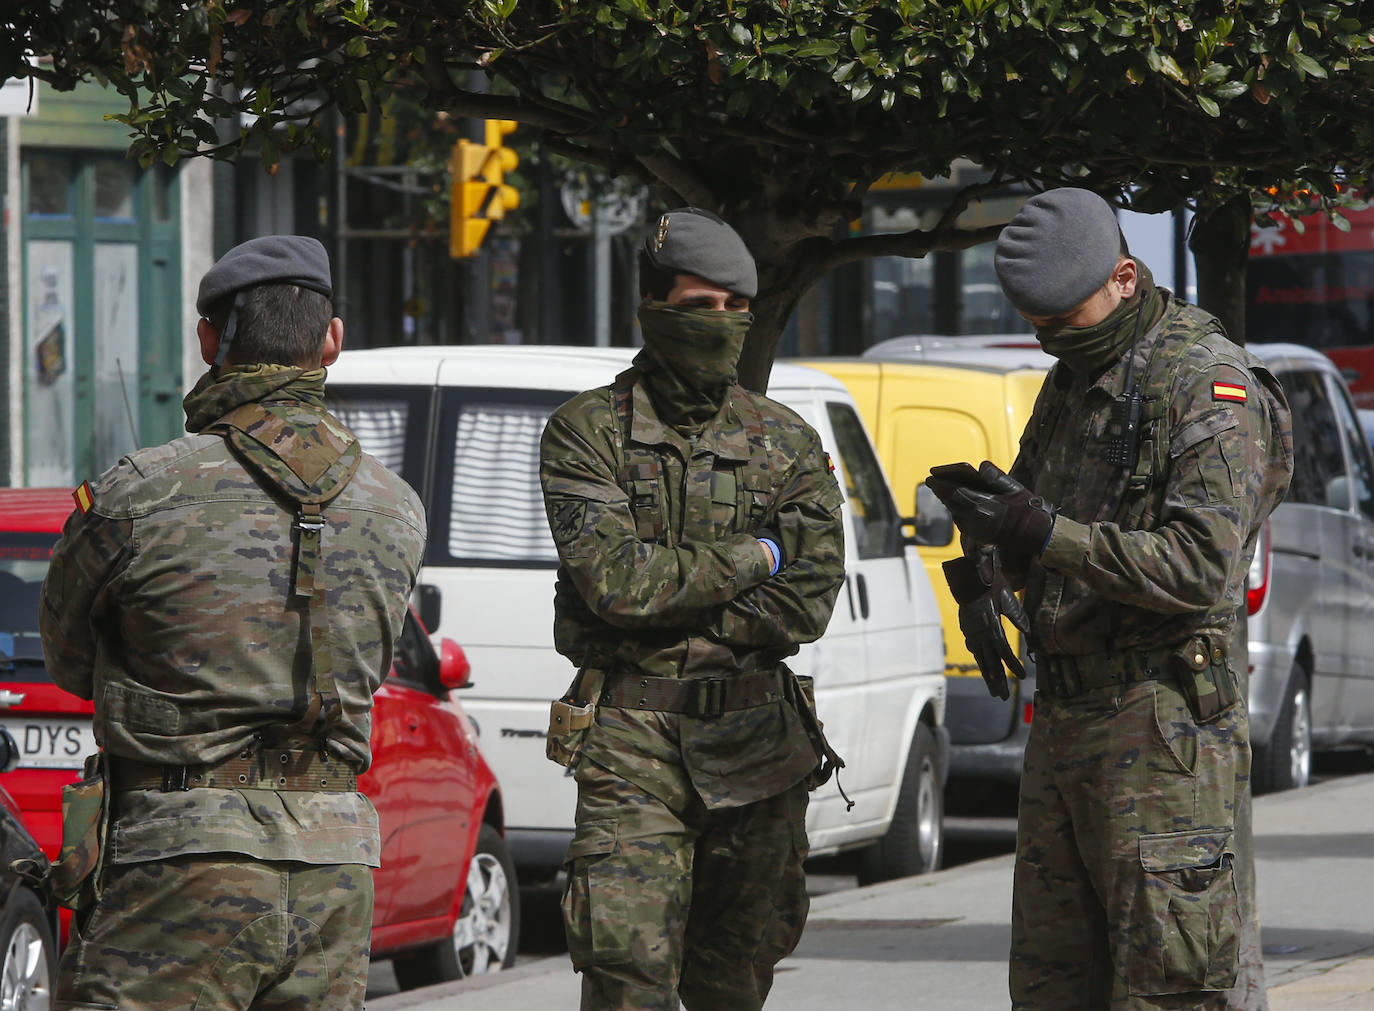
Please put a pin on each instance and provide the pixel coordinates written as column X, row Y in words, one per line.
column 984, row 596
column 992, row 507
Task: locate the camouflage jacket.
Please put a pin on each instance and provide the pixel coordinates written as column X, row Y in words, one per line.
column 169, row 604
column 661, row 574
column 1148, row 556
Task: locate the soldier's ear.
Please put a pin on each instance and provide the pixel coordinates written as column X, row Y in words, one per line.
column 209, row 341
column 333, row 342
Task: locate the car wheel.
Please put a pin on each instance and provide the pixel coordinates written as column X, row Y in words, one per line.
column 30, row 960
column 915, row 841
column 1286, row 762
column 485, row 933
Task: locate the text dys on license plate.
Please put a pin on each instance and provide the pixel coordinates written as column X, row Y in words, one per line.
column 46, row 743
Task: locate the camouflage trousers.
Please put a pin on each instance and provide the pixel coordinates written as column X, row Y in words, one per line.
column 221, row 933
column 698, row 904
column 1126, row 891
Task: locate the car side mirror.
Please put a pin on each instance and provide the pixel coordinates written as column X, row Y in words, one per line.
column 933, row 526
column 1338, row 492
column 9, row 751
column 429, row 603
column 454, row 669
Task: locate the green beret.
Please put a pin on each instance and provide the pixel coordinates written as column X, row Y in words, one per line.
column 271, row 259
column 689, row 240
column 1059, row 249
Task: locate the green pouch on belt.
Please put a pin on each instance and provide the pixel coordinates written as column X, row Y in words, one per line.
column 569, row 722
column 85, row 810
column 1205, row 677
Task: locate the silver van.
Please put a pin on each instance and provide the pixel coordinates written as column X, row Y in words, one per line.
column 1311, row 585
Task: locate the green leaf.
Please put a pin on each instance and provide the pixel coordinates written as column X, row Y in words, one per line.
column 887, row 99
column 842, row 72
column 1209, row 106
column 817, row 47
column 170, row 156
column 1308, row 65
column 1231, row 89
column 858, row 38
column 741, row 34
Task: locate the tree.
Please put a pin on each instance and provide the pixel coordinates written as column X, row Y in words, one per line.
column 779, row 114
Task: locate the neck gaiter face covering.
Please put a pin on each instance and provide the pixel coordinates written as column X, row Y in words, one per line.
column 689, row 359
column 1090, row 349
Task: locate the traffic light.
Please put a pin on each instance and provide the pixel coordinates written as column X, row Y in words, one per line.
column 478, row 194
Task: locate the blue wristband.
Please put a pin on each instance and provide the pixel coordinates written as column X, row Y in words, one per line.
column 777, row 553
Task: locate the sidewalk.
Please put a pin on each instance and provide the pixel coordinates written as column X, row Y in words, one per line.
column 940, row 941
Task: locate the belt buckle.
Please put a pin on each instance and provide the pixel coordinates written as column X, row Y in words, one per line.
column 175, row 777
column 709, row 697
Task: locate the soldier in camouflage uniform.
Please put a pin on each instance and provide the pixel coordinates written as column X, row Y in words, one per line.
column 698, row 530
column 1156, row 450
column 230, row 601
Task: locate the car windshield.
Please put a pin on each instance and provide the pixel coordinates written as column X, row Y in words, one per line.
column 23, row 564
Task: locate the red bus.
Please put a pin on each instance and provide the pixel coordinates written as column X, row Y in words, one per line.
column 1316, row 287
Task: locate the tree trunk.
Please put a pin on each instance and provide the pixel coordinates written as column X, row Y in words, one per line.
column 1221, row 245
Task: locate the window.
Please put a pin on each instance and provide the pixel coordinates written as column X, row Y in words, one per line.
column 115, row 180
column 23, row 565
column 876, row 526
column 1317, row 457
column 391, row 423
column 1361, row 493
column 50, row 186
column 414, row 660
column 489, row 507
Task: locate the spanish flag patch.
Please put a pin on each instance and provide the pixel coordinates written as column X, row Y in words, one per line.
column 84, row 498
column 1228, row 391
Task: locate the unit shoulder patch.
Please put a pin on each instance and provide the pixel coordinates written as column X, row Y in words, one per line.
column 566, row 516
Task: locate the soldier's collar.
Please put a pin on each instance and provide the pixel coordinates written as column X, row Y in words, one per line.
column 724, row 435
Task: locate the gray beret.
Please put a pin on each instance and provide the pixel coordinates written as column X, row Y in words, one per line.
column 271, row 259
column 689, row 240
column 1059, row 249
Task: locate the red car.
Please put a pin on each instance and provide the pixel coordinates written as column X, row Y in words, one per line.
column 447, row 904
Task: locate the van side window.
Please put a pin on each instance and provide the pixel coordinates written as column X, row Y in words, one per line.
column 1362, row 488
column 1317, row 458
column 487, row 507
column 391, row 423
column 876, row 526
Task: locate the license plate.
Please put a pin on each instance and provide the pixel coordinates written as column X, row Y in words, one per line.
column 47, row 743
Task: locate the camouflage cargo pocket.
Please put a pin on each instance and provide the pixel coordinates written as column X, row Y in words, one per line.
column 568, row 726
column 1188, row 909
column 595, row 910
column 75, row 881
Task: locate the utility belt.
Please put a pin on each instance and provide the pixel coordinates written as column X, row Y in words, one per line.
column 1198, row 666
column 704, row 697
column 1067, row 676
column 291, row 769
column 711, row 697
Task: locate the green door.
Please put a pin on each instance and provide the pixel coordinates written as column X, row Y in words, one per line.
column 102, row 360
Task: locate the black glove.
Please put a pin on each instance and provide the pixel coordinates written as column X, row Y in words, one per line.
column 992, row 507
column 984, row 595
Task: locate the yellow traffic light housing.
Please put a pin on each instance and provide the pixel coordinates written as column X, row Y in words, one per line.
column 479, row 194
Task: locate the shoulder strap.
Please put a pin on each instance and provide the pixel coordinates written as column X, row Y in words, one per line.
column 309, row 469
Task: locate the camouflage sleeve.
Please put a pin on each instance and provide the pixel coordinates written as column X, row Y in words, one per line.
column 85, row 565
column 1016, row 565
column 795, row 605
column 1218, row 456
column 626, row 581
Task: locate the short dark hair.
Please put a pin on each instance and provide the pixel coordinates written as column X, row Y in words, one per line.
column 654, row 282
column 278, row 324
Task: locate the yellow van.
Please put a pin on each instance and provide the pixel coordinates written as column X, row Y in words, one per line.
column 971, row 407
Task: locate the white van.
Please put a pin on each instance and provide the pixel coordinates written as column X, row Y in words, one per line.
column 462, row 425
